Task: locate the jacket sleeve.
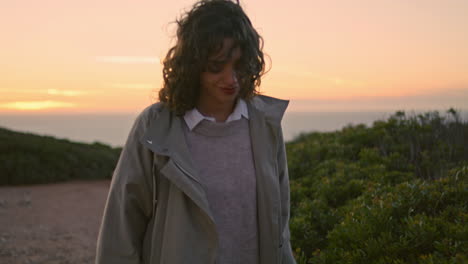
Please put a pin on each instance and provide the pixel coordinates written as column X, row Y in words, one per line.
column 287, row 255
column 129, row 203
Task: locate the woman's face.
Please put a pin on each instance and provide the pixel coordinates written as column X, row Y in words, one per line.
column 219, row 84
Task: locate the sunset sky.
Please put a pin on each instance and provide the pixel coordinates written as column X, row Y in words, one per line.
column 63, row 56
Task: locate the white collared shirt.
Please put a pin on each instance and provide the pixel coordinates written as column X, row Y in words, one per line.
column 193, row 117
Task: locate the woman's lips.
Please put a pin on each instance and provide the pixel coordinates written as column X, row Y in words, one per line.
column 228, row 90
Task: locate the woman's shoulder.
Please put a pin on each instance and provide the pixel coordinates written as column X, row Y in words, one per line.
column 148, row 115
column 152, row 111
column 273, row 108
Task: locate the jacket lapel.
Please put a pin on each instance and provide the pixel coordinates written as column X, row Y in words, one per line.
column 165, row 137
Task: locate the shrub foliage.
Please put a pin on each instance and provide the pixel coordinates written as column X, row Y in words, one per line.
column 395, row 192
column 30, row 159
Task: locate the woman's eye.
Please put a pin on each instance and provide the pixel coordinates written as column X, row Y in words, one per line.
column 214, row 68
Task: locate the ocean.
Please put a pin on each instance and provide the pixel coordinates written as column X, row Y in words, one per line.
column 113, row 129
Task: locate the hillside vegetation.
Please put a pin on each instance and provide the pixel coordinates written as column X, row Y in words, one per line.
column 30, row 159
column 395, row 192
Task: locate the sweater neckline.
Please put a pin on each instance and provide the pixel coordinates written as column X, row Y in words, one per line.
column 218, row 129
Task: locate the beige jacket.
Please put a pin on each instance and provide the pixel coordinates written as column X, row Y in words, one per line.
column 157, row 211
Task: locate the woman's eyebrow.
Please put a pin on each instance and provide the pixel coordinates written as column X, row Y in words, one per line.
column 224, row 59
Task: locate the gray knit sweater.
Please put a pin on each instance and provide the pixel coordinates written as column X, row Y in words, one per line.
column 222, row 154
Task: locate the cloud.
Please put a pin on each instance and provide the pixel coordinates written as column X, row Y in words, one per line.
column 35, row 105
column 312, row 77
column 70, row 93
column 139, row 86
column 128, row 59
column 336, row 81
column 65, row 92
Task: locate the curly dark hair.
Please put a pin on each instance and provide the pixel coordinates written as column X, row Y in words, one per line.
column 200, row 33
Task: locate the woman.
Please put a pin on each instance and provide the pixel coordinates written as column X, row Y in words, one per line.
column 203, row 175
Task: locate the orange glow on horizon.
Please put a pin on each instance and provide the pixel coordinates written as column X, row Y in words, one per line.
column 330, row 51
column 35, row 105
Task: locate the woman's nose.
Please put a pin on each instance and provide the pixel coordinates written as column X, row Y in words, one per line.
column 230, row 77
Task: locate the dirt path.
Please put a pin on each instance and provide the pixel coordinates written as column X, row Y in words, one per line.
column 52, row 223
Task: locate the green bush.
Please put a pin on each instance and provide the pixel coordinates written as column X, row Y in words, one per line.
column 31, row 159
column 396, row 192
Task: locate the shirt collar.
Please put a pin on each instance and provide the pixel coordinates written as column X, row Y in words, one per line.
column 193, row 116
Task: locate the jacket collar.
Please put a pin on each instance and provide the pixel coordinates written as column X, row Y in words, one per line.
column 165, row 133
column 193, row 117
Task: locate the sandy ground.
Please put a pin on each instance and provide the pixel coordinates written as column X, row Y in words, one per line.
column 52, row 223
